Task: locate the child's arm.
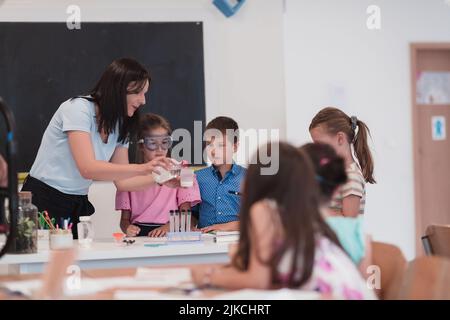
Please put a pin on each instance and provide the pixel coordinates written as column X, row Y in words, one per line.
column 258, row 275
column 126, row 226
column 229, row 226
column 160, row 231
column 350, row 206
column 185, row 206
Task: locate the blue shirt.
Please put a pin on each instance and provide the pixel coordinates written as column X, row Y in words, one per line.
column 218, row 205
column 54, row 163
column 350, row 234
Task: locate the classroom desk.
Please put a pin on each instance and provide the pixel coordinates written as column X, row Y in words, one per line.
column 109, row 293
column 211, row 293
column 105, row 254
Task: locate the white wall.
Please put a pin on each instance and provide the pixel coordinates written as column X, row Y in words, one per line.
column 333, row 59
column 244, row 72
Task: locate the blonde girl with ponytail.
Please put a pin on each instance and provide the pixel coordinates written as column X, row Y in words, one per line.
column 348, row 136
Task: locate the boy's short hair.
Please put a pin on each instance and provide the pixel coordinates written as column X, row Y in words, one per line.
column 223, row 124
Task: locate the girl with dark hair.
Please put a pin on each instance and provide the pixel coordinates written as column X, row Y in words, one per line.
column 348, row 136
column 87, row 139
column 284, row 240
column 330, row 173
column 146, row 212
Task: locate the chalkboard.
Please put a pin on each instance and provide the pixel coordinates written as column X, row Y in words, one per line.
column 44, row 64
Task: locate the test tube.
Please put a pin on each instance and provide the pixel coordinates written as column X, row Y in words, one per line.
column 171, row 222
column 188, row 221
column 177, row 221
column 183, row 221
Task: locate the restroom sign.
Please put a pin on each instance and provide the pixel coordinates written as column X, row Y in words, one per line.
column 438, row 128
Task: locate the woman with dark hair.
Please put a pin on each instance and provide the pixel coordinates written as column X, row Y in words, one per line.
column 87, row 139
column 284, row 240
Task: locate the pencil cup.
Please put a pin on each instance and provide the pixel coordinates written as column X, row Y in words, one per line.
column 43, row 239
column 61, row 239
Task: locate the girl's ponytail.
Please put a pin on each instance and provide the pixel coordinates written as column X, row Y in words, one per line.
column 362, row 150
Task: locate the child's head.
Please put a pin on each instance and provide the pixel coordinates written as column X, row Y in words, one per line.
column 332, row 126
column 296, row 193
column 154, row 137
column 328, row 166
column 222, row 139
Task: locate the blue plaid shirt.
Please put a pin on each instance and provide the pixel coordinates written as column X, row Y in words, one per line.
column 218, row 204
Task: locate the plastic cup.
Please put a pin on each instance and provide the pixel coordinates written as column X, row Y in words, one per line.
column 186, row 178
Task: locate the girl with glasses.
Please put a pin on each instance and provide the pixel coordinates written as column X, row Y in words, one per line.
column 145, row 212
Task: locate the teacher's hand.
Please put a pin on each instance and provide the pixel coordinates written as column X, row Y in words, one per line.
column 152, row 166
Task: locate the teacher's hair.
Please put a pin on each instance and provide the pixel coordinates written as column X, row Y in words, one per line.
column 110, row 94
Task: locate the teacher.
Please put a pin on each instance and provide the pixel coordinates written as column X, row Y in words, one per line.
column 87, row 139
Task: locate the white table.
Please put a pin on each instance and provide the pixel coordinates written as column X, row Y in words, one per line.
column 107, row 254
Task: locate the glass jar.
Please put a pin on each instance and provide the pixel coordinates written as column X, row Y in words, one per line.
column 27, row 225
column 85, row 232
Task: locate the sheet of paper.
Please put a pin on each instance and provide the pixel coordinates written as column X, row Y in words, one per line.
column 227, row 233
column 150, row 295
column 281, row 294
column 433, row 87
column 170, row 276
column 145, row 278
column 26, row 287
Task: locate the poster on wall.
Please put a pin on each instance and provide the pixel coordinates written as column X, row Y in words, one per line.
column 438, row 128
column 433, row 87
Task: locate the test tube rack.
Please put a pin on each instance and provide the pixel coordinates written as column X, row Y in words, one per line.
column 180, row 226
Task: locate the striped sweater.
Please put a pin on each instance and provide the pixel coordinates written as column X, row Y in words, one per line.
column 355, row 185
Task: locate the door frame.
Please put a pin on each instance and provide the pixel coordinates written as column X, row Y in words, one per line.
column 418, row 201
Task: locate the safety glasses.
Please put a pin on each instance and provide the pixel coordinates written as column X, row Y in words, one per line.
column 154, row 143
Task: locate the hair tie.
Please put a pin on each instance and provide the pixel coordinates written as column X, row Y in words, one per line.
column 324, row 161
column 322, row 181
column 354, row 122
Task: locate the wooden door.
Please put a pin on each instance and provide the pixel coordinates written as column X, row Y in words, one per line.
column 431, row 152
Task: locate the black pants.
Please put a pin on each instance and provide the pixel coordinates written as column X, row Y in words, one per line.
column 146, row 228
column 59, row 205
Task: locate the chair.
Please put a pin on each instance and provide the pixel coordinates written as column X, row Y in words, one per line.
column 436, row 240
column 426, row 278
column 392, row 264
